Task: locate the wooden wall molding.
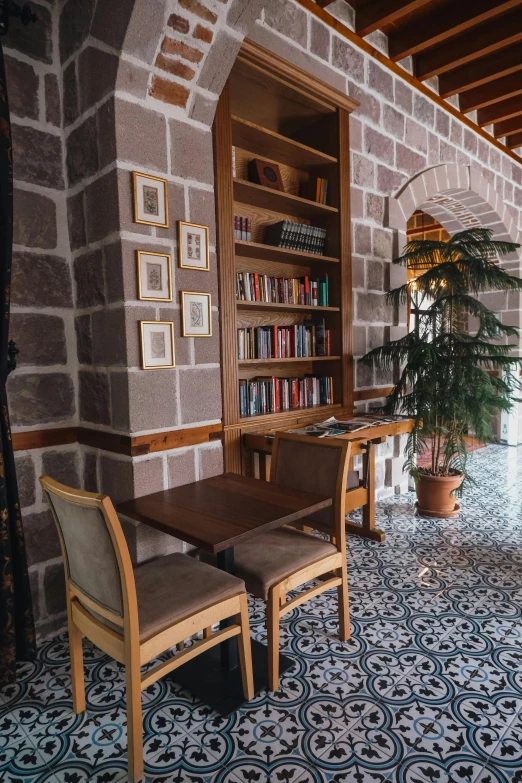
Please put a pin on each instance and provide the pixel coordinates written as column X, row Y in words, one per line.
column 372, row 394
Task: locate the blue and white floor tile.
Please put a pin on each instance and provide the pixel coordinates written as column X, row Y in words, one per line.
column 427, row 690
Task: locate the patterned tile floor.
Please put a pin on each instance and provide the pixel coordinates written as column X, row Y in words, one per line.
column 428, row 689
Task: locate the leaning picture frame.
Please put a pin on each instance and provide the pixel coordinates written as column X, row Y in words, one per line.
column 196, row 314
column 193, row 246
column 157, row 345
column 154, row 276
column 150, row 199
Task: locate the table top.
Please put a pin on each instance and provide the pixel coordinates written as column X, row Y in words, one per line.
column 223, row 511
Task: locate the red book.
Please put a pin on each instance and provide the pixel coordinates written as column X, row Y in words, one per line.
column 256, row 287
column 295, row 392
column 307, row 299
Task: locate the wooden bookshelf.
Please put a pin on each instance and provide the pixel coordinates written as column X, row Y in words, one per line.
column 271, row 110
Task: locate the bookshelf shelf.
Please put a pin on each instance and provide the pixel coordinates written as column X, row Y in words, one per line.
column 291, row 308
column 268, row 143
column 282, row 254
column 271, row 110
column 267, row 198
column 290, row 360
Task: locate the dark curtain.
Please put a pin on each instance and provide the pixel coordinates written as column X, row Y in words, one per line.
column 17, row 636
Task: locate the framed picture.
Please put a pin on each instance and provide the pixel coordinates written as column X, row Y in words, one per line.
column 193, row 246
column 196, row 316
column 264, row 173
column 150, row 200
column 154, row 276
column 157, row 345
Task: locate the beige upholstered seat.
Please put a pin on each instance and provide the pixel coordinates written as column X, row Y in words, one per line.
column 276, row 563
column 134, row 616
column 267, row 559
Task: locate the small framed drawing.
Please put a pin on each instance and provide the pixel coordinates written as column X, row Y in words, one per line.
column 157, row 345
column 193, row 246
column 196, row 316
column 154, row 276
column 150, row 200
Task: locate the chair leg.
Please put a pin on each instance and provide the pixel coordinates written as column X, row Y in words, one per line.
column 343, row 602
column 77, row 675
column 245, row 650
column 272, row 627
column 134, row 720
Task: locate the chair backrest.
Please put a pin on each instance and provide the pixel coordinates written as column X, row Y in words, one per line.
column 96, row 556
column 314, row 465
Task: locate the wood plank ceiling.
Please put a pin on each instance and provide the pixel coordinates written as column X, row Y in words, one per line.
column 473, row 47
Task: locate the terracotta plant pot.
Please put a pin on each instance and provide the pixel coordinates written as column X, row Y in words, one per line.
column 434, row 498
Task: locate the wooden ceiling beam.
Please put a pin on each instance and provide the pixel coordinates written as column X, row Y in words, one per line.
column 378, row 13
column 515, row 140
column 481, row 71
column 443, row 23
column 499, row 111
column 486, row 39
column 507, row 127
column 491, row 93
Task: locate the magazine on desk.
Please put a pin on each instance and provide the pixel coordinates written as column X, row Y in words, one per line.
column 333, row 427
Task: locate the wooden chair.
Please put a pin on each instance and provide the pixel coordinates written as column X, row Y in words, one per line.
column 135, row 615
column 276, row 563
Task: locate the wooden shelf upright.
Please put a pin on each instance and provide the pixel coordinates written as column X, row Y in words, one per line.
column 272, row 110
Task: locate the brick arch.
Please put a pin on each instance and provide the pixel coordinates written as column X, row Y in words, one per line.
column 458, row 197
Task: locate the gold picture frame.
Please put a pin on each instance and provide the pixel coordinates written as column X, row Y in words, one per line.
column 144, row 278
column 148, row 360
column 161, row 197
column 200, row 236
column 199, row 307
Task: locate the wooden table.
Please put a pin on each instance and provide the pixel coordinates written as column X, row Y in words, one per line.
column 363, row 442
column 215, row 515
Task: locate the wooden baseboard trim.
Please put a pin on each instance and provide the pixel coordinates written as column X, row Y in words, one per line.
column 114, row 443
column 372, row 394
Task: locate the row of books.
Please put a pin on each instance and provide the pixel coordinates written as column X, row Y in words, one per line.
column 315, row 189
column 255, row 287
column 296, row 236
column 267, row 394
column 242, row 228
column 283, row 342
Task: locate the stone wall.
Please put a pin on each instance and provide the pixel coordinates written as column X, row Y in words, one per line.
column 138, row 81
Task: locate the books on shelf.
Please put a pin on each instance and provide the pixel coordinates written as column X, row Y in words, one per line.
column 255, row 287
column 283, row 342
column 268, row 394
column 315, row 189
column 242, row 228
column 296, row 236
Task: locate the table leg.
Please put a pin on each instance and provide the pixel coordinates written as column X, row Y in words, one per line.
column 229, row 650
column 368, row 529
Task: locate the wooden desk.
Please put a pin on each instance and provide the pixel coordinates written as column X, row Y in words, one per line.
column 215, row 515
column 363, row 442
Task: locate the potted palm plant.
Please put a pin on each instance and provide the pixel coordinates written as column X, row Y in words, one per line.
column 455, row 370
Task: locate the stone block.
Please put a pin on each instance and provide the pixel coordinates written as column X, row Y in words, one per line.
column 423, row 110
column 348, row 59
column 168, row 91
column 153, row 400
column 39, row 338
column 183, row 344
column 383, row 377
column 101, row 206
column 41, row 537
column 94, row 397
column 442, row 123
column 207, row 349
column 54, row 587
column 409, row 161
column 374, row 275
column 356, row 203
column 76, row 221
column 177, row 211
column 374, row 207
column 203, row 210
column 37, row 157
column 210, row 461
column 71, row 109
column 203, row 109
column 108, row 337
column 363, row 376
column 34, row 584
column 148, row 476
column 242, row 14
column 82, row 152
column 75, row 23
column 393, row 122
column 380, row 80
column 359, row 340
column 181, row 467
column 319, row 39
column 380, row 146
column 26, row 479
column 34, row 220
column 147, row 23
column 416, row 136
column 120, row 401
column 23, row 88
column 403, row 96
column 63, row 466
column 109, row 23
column 82, row 326
column 355, row 134
column 372, row 308
column 358, row 272
column 141, row 136
column 288, row 19
column 376, row 336
column 200, row 395
column 447, row 152
column 382, row 243
column 40, row 399
column 89, row 279
column 362, row 239
column 132, row 332
column 90, row 471
column 114, row 274
column 33, row 40
column 456, row 135
column 116, row 478
column 363, row 171
column 393, row 472
column 191, row 152
column 53, row 109
column 132, row 79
